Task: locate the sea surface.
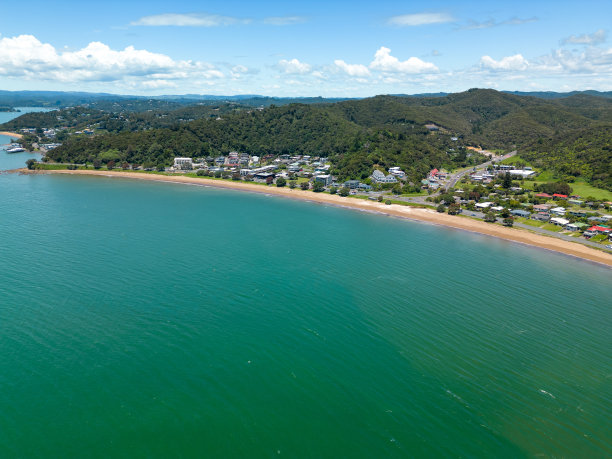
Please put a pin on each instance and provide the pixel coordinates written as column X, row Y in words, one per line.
column 142, row 319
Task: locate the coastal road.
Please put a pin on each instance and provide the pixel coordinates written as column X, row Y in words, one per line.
column 454, row 178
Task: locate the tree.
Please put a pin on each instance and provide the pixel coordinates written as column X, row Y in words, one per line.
column 441, row 208
column 344, row 191
column 201, row 173
column 507, row 181
column 97, row 164
column 317, row 186
column 110, row 165
column 292, row 184
column 160, row 167
column 31, row 163
column 508, row 221
column 380, row 198
column 454, row 209
column 281, row 182
column 490, row 217
column 333, row 190
column 304, row 185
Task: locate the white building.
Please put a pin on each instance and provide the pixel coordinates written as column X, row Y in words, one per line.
column 183, row 164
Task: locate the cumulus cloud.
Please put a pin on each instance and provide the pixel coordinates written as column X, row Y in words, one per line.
column 385, row 62
column 26, row 57
column 357, row 70
column 284, row 20
column 419, row 19
column 187, row 20
column 595, row 38
column 294, row 66
column 516, row 62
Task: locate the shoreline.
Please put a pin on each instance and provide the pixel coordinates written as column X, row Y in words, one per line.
column 395, row 210
column 11, row 134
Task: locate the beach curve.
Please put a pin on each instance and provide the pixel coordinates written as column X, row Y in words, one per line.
column 395, row 210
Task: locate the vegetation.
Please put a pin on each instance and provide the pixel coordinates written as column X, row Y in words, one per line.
column 570, row 136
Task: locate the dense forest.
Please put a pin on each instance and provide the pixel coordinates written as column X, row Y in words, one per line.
column 569, row 135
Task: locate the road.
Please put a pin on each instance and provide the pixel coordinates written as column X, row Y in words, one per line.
column 455, row 177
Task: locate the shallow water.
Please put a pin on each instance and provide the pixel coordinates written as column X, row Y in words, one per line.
column 158, row 319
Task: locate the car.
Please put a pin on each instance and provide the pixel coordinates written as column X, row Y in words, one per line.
column 609, row 246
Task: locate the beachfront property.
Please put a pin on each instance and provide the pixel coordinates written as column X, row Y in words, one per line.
column 577, row 226
column 483, row 205
column 264, row 177
column 541, row 216
column 559, row 221
column 379, row 177
column 326, row 179
column 520, row 213
column 183, row 164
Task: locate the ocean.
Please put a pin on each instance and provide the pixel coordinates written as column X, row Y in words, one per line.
column 161, row 320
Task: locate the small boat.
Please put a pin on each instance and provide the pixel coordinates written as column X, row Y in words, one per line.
column 15, row 150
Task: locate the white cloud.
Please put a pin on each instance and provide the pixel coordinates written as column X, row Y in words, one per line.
column 284, row 20
column 516, row 62
column 419, row 19
column 26, row 57
column 474, row 25
column 384, row 62
column 294, row 66
column 595, row 38
column 187, row 20
column 358, row 70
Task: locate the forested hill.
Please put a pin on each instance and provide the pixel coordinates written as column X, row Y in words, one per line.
column 387, row 130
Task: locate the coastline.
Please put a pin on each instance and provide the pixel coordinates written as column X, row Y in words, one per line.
column 11, row 134
column 420, row 214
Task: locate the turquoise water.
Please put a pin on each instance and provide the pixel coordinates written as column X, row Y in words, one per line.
column 163, row 320
column 159, row 320
column 15, row 160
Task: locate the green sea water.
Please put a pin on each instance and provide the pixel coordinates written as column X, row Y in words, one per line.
column 161, row 320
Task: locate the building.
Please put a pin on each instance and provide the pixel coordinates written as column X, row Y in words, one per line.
column 483, row 205
column 541, row 216
column 352, row 184
column 379, row 177
column 183, row 164
column 542, row 207
column 558, row 211
column 326, row 180
column 559, row 221
column 575, row 226
column 264, row 177
column 520, row 213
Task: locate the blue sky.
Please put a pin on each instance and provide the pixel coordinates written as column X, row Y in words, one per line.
column 341, row 48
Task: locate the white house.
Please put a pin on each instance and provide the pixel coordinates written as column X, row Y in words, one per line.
column 559, row 221
column 183, row 164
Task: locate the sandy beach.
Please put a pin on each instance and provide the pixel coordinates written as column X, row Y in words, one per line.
column 11, row 134
column 426, row 215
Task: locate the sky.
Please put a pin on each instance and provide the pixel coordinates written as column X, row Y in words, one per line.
column 305, row 48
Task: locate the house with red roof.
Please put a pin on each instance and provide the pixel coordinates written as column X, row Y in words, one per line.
column 559, row 196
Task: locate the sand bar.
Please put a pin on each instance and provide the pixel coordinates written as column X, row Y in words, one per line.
column 426, row 215
column 11, row 134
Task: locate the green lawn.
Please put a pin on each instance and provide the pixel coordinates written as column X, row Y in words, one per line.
column 551, row 227
column 583, row 189
column 528, row 221
column 599, row 238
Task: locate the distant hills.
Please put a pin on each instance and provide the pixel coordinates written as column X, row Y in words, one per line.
column 60, row 99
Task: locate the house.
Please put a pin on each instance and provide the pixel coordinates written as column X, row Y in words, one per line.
column 497, row 208
column 559, row 221
column 326, row 180
column 364, row 187
column 522, row 173
column 542, row 207
column 352, row 184
column 575, row 202
column 379, row 177
column 541, row 216
column 575, row 226
column 543, row 195
column 599, row 229
column 520, row 213
column 264, row 177
column 183, row 164
column 432, row 127
column 484, row 205
column 558, row 211
column 559, row 196
column 577, row 213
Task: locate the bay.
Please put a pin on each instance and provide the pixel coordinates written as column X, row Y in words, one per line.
column 154, row 319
